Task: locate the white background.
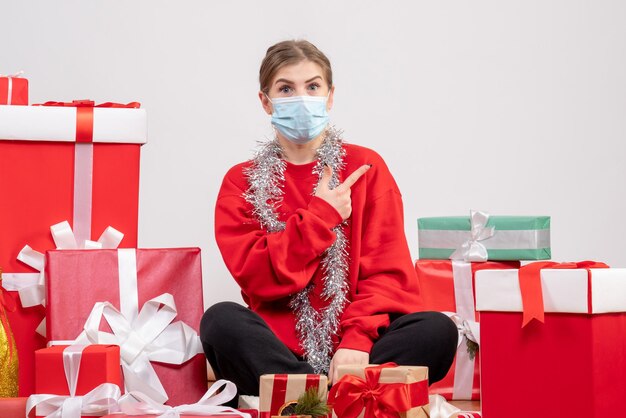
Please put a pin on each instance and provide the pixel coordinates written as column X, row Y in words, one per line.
column 513, row 107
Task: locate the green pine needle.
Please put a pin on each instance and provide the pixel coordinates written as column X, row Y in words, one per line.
column 309, row 403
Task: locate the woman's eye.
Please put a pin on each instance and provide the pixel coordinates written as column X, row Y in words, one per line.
column 285, row 89
column 314, row 86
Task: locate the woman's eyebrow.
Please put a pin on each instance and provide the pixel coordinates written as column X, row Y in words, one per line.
column 284, row 80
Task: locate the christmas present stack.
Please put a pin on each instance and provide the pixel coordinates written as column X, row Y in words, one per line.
column 553, row 340
column 61, row 164
column 73, row 169
column 451, row 252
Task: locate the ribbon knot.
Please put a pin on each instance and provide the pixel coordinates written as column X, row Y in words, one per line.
column 473, row 249
column 222, row 391
column 151, row 336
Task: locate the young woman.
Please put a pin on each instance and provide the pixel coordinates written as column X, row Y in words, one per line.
column 312, row 230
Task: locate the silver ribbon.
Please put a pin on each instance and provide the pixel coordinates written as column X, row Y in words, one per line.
column 472, row 249
column 137, row 403
column 99, row 401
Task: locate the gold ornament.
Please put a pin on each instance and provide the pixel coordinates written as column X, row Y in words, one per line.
column 8, row 350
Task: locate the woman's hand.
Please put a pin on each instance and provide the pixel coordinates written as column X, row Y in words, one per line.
column 339, row 197
column 345, row 356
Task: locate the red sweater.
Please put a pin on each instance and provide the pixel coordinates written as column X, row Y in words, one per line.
column 271, row 267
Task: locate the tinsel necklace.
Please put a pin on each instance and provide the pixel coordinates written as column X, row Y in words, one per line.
column 265, row 177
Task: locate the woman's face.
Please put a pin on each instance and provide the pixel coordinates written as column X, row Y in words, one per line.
column 305, row 78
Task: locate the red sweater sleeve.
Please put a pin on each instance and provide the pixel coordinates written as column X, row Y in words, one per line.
column 387, row 282
column 270, row 266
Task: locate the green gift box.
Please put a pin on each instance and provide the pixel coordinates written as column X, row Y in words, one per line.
column 480, row 237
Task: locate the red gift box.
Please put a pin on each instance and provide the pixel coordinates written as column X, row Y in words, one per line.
column 39, row 158
column 14, row 408
column 447, row 286
column 73, row 371
column 99, row 364
column 572, row 364
column 13, row 90
column 86, row 277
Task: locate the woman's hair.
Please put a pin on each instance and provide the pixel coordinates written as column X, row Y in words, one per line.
column 288, row 53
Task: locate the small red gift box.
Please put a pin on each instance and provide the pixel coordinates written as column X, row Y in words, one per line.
column 48, row 177
column 168, row 281
column 571, row 364
column 99, row 364
column 13, row 90
column 73, row 371
column 448, row 286
column 279, row 390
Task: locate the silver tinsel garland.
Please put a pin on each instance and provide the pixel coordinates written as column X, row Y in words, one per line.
column 265, row 178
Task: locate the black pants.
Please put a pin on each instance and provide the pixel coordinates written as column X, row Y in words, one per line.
column 241, row 347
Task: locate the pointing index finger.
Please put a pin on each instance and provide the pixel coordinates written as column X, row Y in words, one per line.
column 352, row 178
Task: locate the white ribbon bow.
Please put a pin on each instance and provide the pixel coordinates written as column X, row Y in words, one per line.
column 31, row 286
column 468, row 329
column 151, row 336
column 137, row 403
column 101, row 400
column 440, row 408
column 472, row 249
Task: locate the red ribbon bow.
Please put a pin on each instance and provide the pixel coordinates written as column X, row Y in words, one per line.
column 530, row 285
column 381, row 400
column 84, row 115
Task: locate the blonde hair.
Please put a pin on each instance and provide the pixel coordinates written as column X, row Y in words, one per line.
column 288, row 53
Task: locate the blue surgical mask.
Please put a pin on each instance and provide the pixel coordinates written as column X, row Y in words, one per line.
column 300, row 118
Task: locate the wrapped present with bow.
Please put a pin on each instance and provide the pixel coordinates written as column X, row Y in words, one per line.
column 13, row 89
column 552, row 333
column 147, row 301
column 76, row 381
column 76, row 162
column 139, row 405
column 481, row 237
column 448, row 286
column 380, row 391
column 280, row 392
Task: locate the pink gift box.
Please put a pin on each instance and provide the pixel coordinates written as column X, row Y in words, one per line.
column 77, row 279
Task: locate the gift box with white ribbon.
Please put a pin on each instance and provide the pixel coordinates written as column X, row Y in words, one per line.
column 73, row 162
column 75, row 381
column 552, row 340
column 481, row 237
column 448, row 286
column 147, row 301
column 13, row 89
